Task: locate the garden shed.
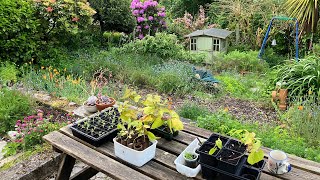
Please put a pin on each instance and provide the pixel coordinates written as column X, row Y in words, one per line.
column 209, row 40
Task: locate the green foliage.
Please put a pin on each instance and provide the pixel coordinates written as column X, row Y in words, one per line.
column 192, row 110
column 114, row 15
column 300, row 78
column 162, row 45
column 304, row 119
column 240, row 61
column 217, row 145
column 56, row 82
column 8, row 73
column 274, row 137
column 249, row 86
column 61, row 17
column 18, row 31
column 114, row 38
column 13, row 105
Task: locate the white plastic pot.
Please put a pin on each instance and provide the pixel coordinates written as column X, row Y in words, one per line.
column 137, row 158
column 180, row 162
column 90, row 109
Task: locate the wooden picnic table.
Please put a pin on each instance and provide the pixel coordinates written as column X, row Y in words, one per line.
column 102, row 159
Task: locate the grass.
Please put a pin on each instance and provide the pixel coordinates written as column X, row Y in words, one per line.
column 191, row 110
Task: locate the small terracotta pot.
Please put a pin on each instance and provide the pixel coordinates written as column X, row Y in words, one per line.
column 102, row 106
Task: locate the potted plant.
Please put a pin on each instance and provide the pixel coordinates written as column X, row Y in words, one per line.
column 190, row 159
column 163, row 120
column 99, row 102
column 104, row 101
column 134, row 142
column 98, row 128
column 90, row 104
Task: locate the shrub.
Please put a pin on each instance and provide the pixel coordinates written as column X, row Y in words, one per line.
column 240, row 61
column 150, row 17
column 61, row 17
column 8, row 73
column 18, row 31
column 115, row 38
column 113, row 15
column 300, row 78
column 163, row 45
column 13, row 105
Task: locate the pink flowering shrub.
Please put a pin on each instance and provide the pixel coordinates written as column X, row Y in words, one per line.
column 150, row 17
column 31, row 129
column 188, row 23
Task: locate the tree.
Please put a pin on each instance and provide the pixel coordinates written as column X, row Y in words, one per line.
column 113, row 15
column 306, row 11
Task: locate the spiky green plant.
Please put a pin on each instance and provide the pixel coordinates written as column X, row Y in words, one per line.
column 300, row 78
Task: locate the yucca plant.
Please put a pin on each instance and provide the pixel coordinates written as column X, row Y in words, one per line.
column 300, row 78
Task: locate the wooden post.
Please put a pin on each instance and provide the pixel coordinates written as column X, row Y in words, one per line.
column 66, row 167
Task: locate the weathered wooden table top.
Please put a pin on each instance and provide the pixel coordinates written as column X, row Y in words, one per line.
column 162, row 166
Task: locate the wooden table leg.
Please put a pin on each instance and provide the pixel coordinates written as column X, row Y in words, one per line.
column 66, row 167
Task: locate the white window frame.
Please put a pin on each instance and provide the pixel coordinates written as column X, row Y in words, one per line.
column 193, row 43
column 216, row 44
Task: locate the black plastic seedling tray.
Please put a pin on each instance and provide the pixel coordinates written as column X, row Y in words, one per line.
column 242, row 172
column 161, row 132
column 101, row 132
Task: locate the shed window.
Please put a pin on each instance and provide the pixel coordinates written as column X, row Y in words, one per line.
column 216, row 44
column 193, row 44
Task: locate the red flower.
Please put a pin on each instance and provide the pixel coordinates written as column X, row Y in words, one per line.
column 49, row 9
column 75, row 19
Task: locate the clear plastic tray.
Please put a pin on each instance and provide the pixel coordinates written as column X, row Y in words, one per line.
column 180, row 163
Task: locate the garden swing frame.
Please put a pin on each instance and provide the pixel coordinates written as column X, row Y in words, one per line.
column 261, row 52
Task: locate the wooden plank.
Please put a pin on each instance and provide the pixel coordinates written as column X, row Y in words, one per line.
column 66, row 167
column 296, row 162
column 85, row 174
column 94, row 159
column 161, row 166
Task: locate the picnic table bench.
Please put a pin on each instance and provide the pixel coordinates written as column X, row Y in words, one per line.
column 102, row 159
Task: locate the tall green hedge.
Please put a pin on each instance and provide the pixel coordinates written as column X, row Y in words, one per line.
column 18, row 31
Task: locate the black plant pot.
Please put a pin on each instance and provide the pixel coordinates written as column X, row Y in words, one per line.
column 212, row 139
column 192, row 163
column 249, row 173
column 164, row 133
column 228, row 160
column 205, row 157
column 258, row 165
column 236, row 146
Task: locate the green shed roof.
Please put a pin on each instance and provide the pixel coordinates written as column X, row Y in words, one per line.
column 213, row 32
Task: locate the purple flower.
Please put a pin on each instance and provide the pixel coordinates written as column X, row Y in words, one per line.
column 141, row 11
column 141, row 36
column 140, row 19
column 135, row 12
column 138, row 27
column 150, row 18
column 161, row 14
column 146, row 27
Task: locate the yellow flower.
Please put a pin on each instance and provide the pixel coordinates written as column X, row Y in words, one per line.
column 42, row 67
column 310, row 92
column 68, row 77
column 300, row 108
column 55, row 70
column 65, row 69
column 44, row 76
column 226, row 109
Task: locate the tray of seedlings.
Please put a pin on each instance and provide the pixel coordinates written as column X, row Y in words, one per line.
column 97, row 128
column 221, row 157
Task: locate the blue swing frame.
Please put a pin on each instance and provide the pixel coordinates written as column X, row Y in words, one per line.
column 261, row 52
